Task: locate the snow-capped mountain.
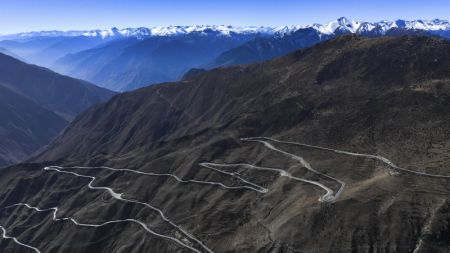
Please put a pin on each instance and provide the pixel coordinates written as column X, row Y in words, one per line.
column 345, row 25
column 341, row 25
column 144, row 32
column 290, row 38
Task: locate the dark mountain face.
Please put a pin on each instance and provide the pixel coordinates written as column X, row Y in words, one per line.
column 262, row 49
column 190, row 183
column 193, row 73
column 64, row 95
column 130, row 64
column 36, row 104
column 24, row 126
column 268, row 48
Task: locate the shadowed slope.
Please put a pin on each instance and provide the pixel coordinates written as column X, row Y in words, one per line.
column 63, row 95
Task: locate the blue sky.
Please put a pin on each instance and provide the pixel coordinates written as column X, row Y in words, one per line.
column 34, row 15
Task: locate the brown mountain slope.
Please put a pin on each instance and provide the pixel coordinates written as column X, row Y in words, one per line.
column 348, row 79
column 387, row 96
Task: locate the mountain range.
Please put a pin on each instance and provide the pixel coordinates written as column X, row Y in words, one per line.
column 126, row 59
column 338, row 147
column 36, row 104
column 341, row 24
column 129, row 64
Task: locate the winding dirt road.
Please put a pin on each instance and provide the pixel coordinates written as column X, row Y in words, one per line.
column 325, row 198
column 176, row 177
column 376, row 157
column 6, row 236
column 330, row 196
column 188, row 241
column 119, row 196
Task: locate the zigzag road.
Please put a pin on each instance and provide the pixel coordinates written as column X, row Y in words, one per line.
column 325, row 198
column 252, row 187
column 5, row 236
column 376, row 157
column 119, row 197
column 329, row 197
column 55, row 211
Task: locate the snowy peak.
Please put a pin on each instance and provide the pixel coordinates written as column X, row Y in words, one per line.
column 345, row 25
column 431, row 25
column 140, row 32
column 204, row 29
column 339, row 26
column 348, row 25
column 143, row 32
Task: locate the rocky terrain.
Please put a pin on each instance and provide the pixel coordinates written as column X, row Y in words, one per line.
column 174, row 168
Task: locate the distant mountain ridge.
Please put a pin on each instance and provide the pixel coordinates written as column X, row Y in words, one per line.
column 144, row 32
column 131, row 63
column 261, row 49
column 131, row 58
column 341, row 24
